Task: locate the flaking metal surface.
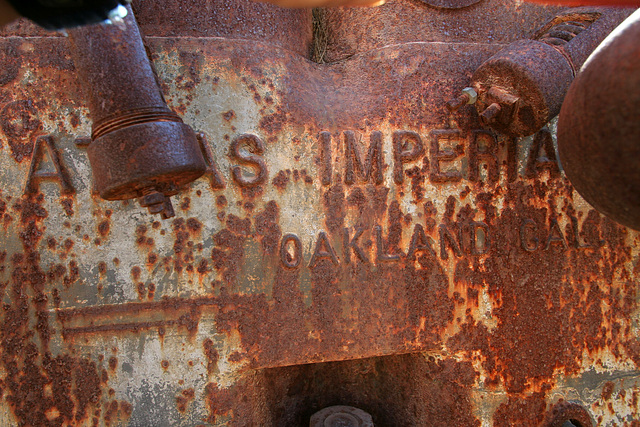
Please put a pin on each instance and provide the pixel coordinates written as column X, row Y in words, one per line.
column 352, row 243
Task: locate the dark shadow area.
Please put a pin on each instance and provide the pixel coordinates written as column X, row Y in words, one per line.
column 410, row 389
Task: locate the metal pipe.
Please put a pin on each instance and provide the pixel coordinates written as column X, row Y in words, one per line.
column 140, row 148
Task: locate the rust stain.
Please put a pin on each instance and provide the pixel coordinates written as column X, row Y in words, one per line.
column 212, row 355
column 20, row 123
column 524, row 309
column 75, row 382
column 103, row 228
column 541, row 313
column 281, row 180
column 183, row 400
column 116, row 412
column 229, row 115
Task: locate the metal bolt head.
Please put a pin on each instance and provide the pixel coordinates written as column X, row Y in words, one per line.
column 116, row 17
column 157, row 203
column 341, row 420
column 490, row 114
column 341, row 416
column 467, row 96
column 471, row 93
column 119, row 13
column 167, row 211
column 150, row 199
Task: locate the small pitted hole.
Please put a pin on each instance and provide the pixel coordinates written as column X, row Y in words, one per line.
column 568, row 414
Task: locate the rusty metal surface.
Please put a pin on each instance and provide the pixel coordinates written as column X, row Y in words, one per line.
column 353, row 243
column 355, row 30
column 598, row 128
column 450, row 4
column 231, row 19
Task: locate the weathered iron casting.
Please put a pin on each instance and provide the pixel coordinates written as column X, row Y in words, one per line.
column 599, row 127
column 352, row 241
column 521, row 88
column 140, row 148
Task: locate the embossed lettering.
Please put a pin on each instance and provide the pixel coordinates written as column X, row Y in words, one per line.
column 420, row 242
column 323, row 250
column 42, row 144
column 352, row 243
column 353, row 160
column 555, row 235
column 437, row 155
column 325, row 158
column 529, row 244
column 542, row 155
column 407, row 147
column 253, row 158
column 291, row 260
column 20, row 123
column 447, row 238
column 381, row 255
column 480, row 243
column 487, row 152
column 82, row 141
column 212, row 169
column 576, row 234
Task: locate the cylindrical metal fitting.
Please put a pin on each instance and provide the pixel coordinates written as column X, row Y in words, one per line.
column 138, row 144
column 535, row 74
column 599, row 130
column 529, row 78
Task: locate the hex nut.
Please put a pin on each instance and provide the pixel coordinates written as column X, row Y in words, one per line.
column 472, row 94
